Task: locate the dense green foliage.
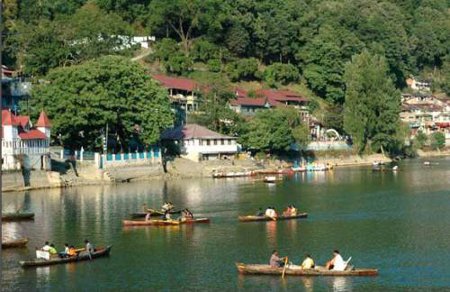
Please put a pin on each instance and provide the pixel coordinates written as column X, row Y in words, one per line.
column 437, row 140
column 277, row 42
column 274, row 130
column 82, row 99
column 316, row 37
column 372, row 104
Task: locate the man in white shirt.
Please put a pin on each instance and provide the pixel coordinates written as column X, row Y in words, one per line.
column 46, row 246
column 337, row 263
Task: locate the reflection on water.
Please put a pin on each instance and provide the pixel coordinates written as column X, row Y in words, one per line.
column 308, row 284
column 396, row 222
column 341, row 284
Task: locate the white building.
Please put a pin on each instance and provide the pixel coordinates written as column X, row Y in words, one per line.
column 199, row 143
column 25, row 146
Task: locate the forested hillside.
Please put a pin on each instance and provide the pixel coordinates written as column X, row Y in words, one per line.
column 310, row 39
column 304, row 43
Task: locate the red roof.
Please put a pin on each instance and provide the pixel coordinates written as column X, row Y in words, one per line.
column 248, row 101
column 43, row 121
column 32, row 134
column 23, row 120
column 176, row 82
column 191, row 131
column 9, row 119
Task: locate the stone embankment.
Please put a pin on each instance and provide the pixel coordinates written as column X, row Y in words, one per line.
column 66, row 175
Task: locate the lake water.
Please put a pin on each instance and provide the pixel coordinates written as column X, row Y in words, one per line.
column 396, row 222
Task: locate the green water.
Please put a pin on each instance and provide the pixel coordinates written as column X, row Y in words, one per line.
column 396, row 222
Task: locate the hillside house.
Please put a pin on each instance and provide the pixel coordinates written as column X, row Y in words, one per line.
column 25, row 146
column 198, row 143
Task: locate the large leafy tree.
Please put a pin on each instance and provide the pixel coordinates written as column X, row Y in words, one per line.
column 372, row 104
column 274, row 130
column 82, row 99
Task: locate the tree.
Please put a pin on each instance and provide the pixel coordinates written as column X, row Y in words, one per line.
column 82, row 99
column 437, row 140
column 372, row 104
column 186, row 18
column 242, row 69
column 420, row 139
column 273, row 130
column 279, row 73
column 214, row 112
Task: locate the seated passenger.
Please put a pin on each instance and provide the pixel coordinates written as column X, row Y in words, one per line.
column 308, row 263
column 337, row 263
column 64, row 253
column 46, row 246
column 275, row 261
column 72, row 251
column 293, row 210
column 52, row 250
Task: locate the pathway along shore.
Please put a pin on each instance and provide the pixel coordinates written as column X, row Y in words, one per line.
column 180, row 168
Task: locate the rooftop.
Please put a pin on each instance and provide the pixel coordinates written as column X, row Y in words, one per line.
column 192, row 131
column 176, row 82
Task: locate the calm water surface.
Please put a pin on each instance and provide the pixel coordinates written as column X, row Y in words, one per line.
column 396, row 222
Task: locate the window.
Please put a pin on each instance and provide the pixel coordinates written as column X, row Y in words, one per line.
column 229, row 142
column 200, row 142
column 208, row 142
column 222, row 142
column 215, row 142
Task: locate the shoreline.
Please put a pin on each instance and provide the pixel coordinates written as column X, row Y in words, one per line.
column 176, row 171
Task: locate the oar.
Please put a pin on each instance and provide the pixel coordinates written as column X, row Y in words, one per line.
column 284, row 268
column 20, row 208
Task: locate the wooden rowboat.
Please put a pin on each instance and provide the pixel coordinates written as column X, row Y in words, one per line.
column 160, row 222
column 154, row 213
column 15, row 243
column 82, row 256
column 293, row 270
column 18, row 216
column 251, row 218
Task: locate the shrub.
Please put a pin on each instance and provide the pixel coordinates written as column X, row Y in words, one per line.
column 279, row 73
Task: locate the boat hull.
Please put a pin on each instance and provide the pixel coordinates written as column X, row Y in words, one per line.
column 265, row 218
column 82, row 256
column 8, row 217
column 154, row 213
column 158, row 222
column 14, row 243
column 255, row 269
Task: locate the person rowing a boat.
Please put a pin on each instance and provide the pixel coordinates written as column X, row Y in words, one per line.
column 308, row 263
column 336, row 263
column 275, row 260
column 167, row 206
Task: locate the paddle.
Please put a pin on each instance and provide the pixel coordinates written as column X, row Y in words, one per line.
column 284, row 268
column 20, row 208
